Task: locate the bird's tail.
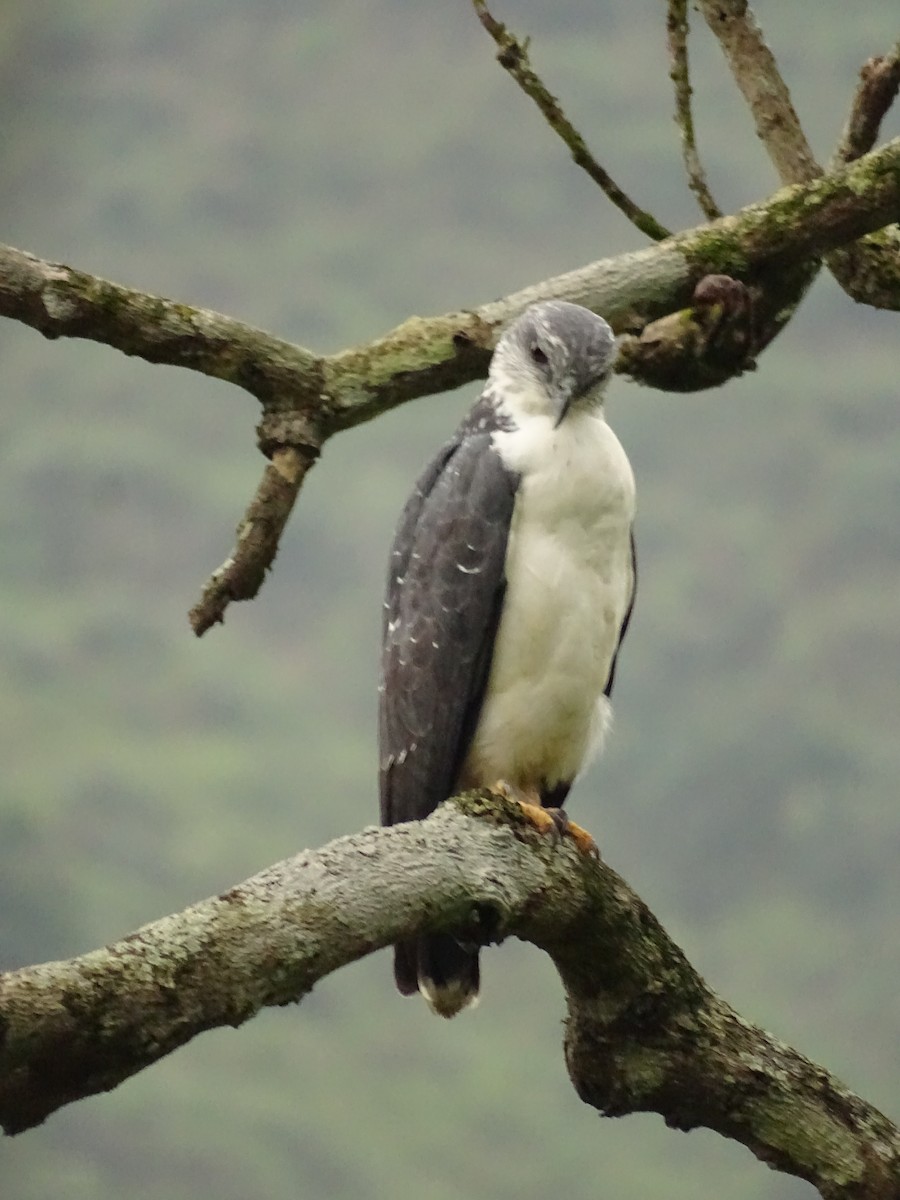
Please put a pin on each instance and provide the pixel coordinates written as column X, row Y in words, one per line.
column 445, row 972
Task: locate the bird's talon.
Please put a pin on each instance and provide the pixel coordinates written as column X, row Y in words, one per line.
column 539, row 818
column 554, row 821
column 579, row 836
column 533, row 811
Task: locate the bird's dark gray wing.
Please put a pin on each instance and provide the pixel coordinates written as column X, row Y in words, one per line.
column 607, row 691
column 444, row 595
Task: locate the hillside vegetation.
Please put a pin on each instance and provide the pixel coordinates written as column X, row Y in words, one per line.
column 324, row 170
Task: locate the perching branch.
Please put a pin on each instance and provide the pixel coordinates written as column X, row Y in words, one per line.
column 307, row 398
column 677, row 29
column 513, row 57
column 643, row 1032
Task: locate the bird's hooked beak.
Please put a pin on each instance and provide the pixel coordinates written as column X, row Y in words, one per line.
column 564, row 398
column 573, row 390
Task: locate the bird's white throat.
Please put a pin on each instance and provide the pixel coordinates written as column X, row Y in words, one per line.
column 569, row 583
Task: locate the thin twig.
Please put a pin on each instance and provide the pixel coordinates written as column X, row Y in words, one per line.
column 513, row 57
column 879, row 82
column 677, row 30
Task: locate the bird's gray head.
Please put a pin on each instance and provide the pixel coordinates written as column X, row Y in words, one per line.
column 554, row 356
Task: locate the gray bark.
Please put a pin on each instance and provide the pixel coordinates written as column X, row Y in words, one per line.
column 643, row 1031
column 307, row 397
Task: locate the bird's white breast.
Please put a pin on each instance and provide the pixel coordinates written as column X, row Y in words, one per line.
column 569, row 582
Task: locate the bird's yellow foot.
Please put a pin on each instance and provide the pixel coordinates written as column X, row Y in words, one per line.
column 579, row 836
column 538, row 817
column 530, row 803
column 547, row 820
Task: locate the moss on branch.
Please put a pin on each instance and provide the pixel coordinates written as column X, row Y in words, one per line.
column 644, row 1032
column 306, row 398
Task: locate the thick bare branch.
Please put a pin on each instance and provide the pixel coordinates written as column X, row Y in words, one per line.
column 71, row 1029
column 513, row 57
column 643, row 1033
column 760, row 82
column 677, row 29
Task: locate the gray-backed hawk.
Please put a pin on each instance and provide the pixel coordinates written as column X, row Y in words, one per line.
column 510, row 586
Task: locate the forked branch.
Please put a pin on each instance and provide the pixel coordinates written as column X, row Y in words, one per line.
column 869, row 270
column 306, row 398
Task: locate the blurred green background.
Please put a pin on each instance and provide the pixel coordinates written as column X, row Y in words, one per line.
column 325, row 169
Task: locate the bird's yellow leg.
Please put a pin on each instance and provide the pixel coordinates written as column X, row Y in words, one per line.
column 546, row 820
column 530, row 803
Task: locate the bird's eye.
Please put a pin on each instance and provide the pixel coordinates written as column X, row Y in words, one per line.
column 538, row 355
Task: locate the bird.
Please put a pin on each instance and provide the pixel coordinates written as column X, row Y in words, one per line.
column 511, row 582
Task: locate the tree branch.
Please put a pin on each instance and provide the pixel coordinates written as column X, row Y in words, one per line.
column 307, row 398
column 312, row 397
column 677, row 30
column 878, row 86
column 756, row 74
column 868, row 271
column 644, row 1032
column 513, row 57
column 60, row 301
column 241, row 576
column 759, row 81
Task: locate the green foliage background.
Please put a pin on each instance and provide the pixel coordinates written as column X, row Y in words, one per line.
column 324, row 170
